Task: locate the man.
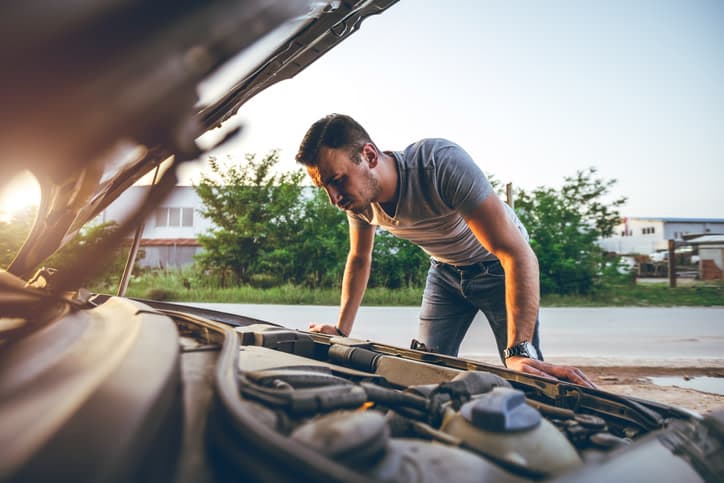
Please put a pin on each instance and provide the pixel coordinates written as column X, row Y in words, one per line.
column 434, row 195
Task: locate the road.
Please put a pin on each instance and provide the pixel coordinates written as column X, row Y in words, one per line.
column 680, row 336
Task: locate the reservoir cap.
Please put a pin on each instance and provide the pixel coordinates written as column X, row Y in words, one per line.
column 500, row 410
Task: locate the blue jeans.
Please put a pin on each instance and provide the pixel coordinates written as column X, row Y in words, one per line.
column 452, row 297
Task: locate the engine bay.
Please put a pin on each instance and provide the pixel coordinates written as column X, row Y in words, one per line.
column 154, row 391
column 389, row 414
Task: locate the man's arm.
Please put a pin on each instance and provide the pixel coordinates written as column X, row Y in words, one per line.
column 496, row 231
column 354, row 281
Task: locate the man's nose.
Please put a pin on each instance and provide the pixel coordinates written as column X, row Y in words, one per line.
column 334, row 196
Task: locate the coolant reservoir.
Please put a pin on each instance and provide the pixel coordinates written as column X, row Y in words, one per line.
column 502, row 426
column 360, row 441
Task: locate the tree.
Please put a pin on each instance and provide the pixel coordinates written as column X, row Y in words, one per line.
column 13, row 234
column 564, row 226
column 72, row 256
column 255, row 213
column 397, row 263
column 323, row 242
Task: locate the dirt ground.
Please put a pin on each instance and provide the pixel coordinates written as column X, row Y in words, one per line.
column 629, row 377
column 633, row 381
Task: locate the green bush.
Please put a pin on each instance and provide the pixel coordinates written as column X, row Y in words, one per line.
column 264, row 280
column 160, row 294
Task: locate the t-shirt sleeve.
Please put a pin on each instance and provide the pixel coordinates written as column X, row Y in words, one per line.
column 357, row 221
column 461, row 182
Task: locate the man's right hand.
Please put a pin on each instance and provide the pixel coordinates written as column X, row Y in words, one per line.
column 323, row 329
column 550, row 371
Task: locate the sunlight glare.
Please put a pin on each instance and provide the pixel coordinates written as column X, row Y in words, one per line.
column 21, row 192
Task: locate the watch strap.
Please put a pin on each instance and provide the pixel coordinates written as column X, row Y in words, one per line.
column 521, row 349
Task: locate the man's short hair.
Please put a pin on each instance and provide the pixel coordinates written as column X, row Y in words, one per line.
column 332, row 131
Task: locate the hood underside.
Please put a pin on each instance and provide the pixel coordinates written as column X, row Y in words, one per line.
column 102, row 93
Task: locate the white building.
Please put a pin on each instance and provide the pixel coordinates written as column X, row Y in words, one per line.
column 169, row 235
column 711, row 255
column 647, row 235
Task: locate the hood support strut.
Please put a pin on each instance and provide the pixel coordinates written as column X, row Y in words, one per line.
column 131, row 260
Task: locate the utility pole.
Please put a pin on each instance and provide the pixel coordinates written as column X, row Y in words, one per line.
column 509, row 195
column 672, row 264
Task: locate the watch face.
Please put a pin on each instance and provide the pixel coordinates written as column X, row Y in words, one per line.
column 532, row 353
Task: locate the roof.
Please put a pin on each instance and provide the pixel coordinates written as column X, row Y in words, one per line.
column 675, row 220
column 169, row 242
column 707, row 240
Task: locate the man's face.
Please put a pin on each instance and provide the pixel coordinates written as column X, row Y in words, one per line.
column 350, row 186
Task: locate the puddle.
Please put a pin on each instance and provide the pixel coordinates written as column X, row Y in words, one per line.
column 712, row 385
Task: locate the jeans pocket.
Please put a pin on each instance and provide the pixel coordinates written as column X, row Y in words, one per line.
column 495, row 270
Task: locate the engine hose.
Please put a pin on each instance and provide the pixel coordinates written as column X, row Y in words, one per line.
column 393, row 398
column 305, row 401
column 296, row 379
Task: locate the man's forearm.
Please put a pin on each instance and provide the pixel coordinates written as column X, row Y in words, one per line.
column 354, row 283
column 522, row 297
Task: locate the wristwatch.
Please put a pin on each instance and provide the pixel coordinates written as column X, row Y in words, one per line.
column 522, row 349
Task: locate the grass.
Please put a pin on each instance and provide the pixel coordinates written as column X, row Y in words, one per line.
column 286, row 295
column 170, row 286
column 642, row 296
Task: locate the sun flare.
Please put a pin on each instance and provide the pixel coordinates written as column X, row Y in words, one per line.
column 22, row 191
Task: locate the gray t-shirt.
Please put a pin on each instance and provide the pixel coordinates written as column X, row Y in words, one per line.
column 439, row 184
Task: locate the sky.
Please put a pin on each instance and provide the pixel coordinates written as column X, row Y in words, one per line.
column 533, row 90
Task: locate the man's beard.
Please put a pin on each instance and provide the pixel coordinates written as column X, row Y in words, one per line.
column 370, row 192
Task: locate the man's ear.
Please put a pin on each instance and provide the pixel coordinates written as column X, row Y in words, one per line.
column 369, row 154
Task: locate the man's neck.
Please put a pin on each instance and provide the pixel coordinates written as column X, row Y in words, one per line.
column 388, row 178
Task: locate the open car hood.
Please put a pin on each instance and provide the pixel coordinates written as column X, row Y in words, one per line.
column 103, row 92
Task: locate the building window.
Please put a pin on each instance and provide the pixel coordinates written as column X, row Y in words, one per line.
column 174, row 216
column 187, row 217
column 161, row 216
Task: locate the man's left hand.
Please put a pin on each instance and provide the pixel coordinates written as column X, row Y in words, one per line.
column 548, row 370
